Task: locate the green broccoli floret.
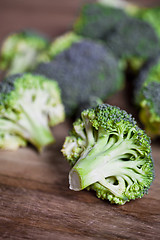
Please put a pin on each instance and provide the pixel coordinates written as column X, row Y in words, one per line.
column 86, row 69
column 109, row 154
column 128, row 38
column 20, row 51
column 147, row 96
column 29, row 105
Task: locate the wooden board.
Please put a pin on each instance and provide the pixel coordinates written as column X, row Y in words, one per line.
column 35, row 202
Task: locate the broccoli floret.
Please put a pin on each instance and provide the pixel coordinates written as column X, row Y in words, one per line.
column 86, row 69
column 147, row 96
column 29, row 105
column 128, row 38
column 109, row 154
column 20, row 51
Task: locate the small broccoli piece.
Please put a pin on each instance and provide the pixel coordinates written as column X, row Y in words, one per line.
column 20, row 51
column 62, row 43
column 109, row 154
column 147, row 96
column 29, row 104
column 97, row 20
column 86, row 69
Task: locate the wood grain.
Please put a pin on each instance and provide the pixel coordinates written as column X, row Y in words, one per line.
column 35, row 202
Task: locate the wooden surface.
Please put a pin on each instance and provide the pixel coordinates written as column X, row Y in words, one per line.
column 35, row 202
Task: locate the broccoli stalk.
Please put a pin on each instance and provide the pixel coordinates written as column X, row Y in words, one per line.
column 10, row 141
column 107, row 150
column 32, row 124
column 109, row 159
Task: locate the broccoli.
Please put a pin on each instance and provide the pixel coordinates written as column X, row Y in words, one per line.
column 147, row 96
column 29, row 105
column 85, row 69
column 109, row 154
column 20, row 51
column 128, row 38
column 97, row 20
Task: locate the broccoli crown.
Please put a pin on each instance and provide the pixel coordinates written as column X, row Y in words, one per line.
column 29, row 104
column 20, row 51
column 133, row 38
column 86, row 69
column 109, row 154
column 97, row 20
column 150, row 15
column 62, row 43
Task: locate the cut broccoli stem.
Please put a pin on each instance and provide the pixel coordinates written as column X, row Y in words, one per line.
column 37, row 125
column 103, row 162
column 21, row 62
column 31, row 125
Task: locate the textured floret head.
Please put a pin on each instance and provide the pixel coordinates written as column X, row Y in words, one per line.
column 86, row 69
